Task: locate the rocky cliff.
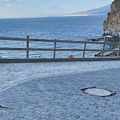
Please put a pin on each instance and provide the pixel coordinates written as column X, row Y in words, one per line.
column 112, row 24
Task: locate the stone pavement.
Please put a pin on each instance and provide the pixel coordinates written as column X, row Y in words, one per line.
column 59, row 97
column 13, row 74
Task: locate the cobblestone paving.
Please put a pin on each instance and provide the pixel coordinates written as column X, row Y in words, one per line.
column 13, row 74
column 60, row 97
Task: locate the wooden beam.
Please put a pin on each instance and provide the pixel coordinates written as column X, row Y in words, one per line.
column 27, row 46
column 54, row 48
column 103, row 47
column 63, row 41
column 43, row 49
column 84, row 49
column 118, row 50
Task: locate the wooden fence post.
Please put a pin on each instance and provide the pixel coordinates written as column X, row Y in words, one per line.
column 27, row 46
column 103, row 47
column 54, row 49
column 118, row 49
column 84, row 49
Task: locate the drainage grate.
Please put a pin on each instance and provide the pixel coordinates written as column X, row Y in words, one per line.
column 98, row 92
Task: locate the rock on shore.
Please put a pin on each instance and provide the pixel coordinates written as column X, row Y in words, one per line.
column 112, row 24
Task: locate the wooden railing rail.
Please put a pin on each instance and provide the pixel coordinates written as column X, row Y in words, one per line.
column 27, row 46
column 54, row 49
column 27, row 49
column 103, row 48
column 118, row 50
column 62, row 41
column 43, row 49
column 84, row 49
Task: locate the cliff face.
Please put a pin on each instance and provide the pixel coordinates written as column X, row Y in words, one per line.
column 112, row 24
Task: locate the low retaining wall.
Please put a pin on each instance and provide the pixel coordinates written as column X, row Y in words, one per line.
column 55, row 60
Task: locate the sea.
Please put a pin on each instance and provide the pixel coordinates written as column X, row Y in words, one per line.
column 78, row 28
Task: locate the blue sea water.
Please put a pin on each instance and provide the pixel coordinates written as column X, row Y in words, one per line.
column 60, row 28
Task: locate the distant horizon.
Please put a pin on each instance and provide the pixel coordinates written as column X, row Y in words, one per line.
column 46, row 8
column 51, row 17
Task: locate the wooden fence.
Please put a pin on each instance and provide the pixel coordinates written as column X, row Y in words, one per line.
column 27, row 49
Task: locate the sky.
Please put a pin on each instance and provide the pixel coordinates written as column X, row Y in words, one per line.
column 43, row 8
